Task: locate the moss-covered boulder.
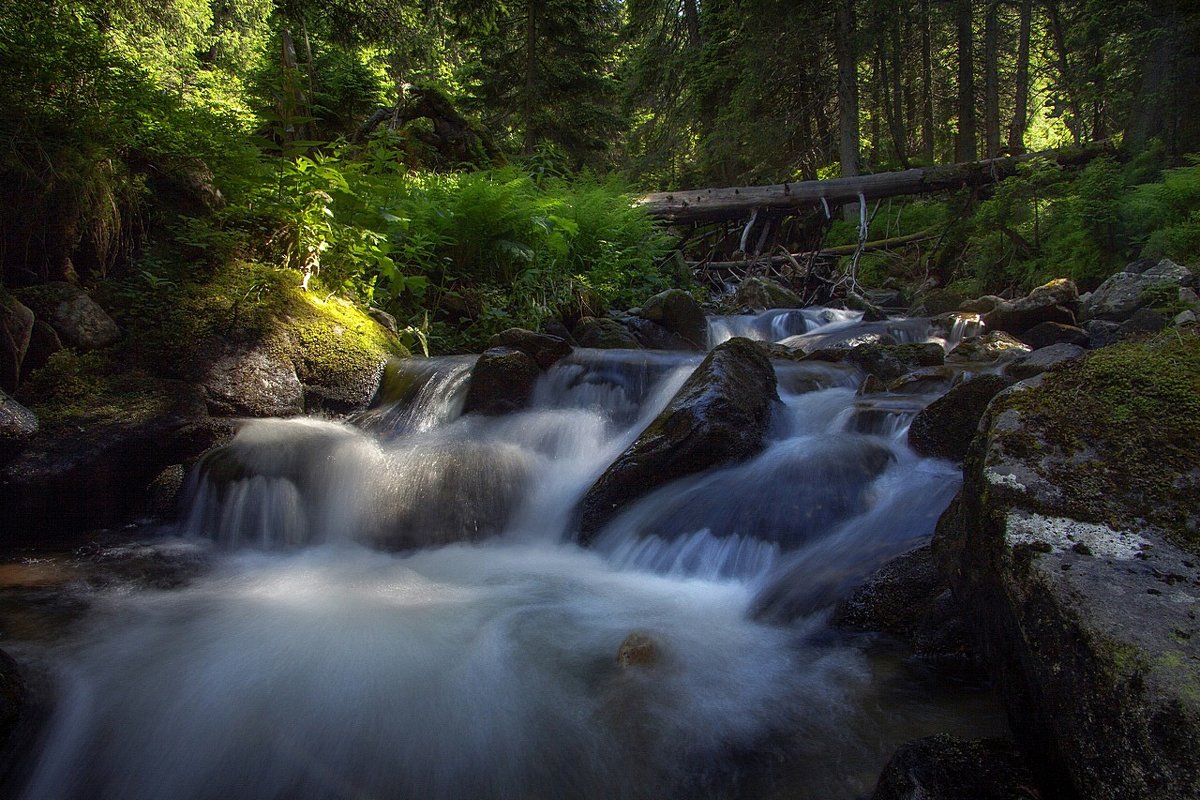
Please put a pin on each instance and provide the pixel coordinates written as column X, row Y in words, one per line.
column 545, row 349
column 501, row 382
column 945, row 427
column 604, row 333
column 719, row 416
column 1075, row 545
column 1125, row 292
column 762, row 294
column 678, row 312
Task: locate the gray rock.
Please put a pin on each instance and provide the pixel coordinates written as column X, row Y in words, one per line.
column 606, row 334
column 17, row 423
column 501, row 382
column 991, row 348
column 253, row 383
column 945, row 427
column 762, row 294
column 1039, row 361
column 1052, row 302
column 1047, row 333
column 719, row 416
column 543, row 348
column 678, row 312
column 78, row 320
column 929, row 380
column 653, row 336
column 944, row 767
column 886, row 361
column 43, row 343
column 384, row 318
column 1101, row 333
column 16, row 325
column 1125, row 292
column 981, row 305
column 1143, row 321
column 1184, row 318
column 895, row 598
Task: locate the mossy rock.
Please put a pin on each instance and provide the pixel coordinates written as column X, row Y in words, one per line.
column 762, row 294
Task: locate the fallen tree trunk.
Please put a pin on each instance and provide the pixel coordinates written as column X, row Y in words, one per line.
column 713, row 205
column 841, row 250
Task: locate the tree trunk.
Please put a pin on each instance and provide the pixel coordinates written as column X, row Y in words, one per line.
column 710, row 205
column 847, row 89
column 691, row 18
column 527, row 101
column 965, row 151
column 991, row 80
column 899, row 134
column 1020, row 120
column 1066, row 75
column 926, row 85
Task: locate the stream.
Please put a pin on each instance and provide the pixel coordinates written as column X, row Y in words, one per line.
column 392, row 607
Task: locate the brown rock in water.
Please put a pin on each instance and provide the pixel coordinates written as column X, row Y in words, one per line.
column 501, row 382
column 638, row 650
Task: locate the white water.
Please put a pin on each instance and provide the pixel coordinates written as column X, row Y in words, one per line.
column 312, row 664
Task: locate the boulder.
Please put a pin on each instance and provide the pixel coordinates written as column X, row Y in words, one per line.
column 253, row 382
column 638, row 650
column 1144, row 320
column 1047, row 333
column 17, row 424
column 945, row 427
column 890, row 362
column 1074, row 547
column 384, row 318
column 990, row 348
column 653, row 336
column 719, row 416
column 1052, row 302
column 678, row 312
column 501, row 382
column 1187, row 317
column 543, row 348
column 944, row 767
column 981, row 305
column 163, row 493
column 1101, row 333
column 605, row 334
column 1042, row 360
column 16, row 325
column 895, row 598
column 1125, row 292
column 762, row 294
column 79, row 321
column 555, row 327
column 871, row 312
column 928, row 380
column 43, row 343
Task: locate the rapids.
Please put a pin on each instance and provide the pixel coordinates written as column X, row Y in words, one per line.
column 394, row 608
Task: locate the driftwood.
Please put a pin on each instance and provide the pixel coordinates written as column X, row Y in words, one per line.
column 713, row 205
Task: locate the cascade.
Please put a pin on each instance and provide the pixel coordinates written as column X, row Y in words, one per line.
column 394, row 606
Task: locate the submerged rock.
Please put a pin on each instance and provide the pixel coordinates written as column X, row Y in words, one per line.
column 945, row 427
column 678, row 312
column 944, row 767
column 502, row 382
column 1074, row 546
column 719, row 416
column 638, row 650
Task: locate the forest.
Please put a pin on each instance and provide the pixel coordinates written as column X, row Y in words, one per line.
column 467, row 165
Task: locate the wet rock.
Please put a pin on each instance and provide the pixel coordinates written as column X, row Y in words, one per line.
column 762, row 294
column 43, row 343
column 502, row 382
column 78, row 320
column 719, row 416
column 944, row 767
column 928, row 380
column 605, row 334
column 871, row 312
column 256, row 382
column 16, row 325
column 638, row 650
column 1039, row 361
column 1101, row 333
column 1143, row 321
column 990, row 348
column 1047, row 333
column 981, row 305
column 653, row 336
column 1052, row 302
column 555, row 327
column 14, row 697
column 945, row 427
column 163, row 493
column 871, row 385
column 1073, row 547
column 17, row 424
column 678, row 312
column 895, row 598
column 1125, row 292
column 543, row 348
column 889, row 298
column 889, row 362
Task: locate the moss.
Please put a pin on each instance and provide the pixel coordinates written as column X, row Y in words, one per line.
column 1119, row 434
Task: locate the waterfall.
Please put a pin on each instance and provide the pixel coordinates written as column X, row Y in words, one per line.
column 396, row 608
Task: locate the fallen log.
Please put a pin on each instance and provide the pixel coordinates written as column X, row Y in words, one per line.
column 712, row 205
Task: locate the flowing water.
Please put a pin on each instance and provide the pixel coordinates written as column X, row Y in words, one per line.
column 394, row 608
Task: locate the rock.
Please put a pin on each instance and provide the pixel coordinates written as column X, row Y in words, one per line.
column 895, row 597
column 255, row 382
column 762, row 294
column 1042, row 360
column 885, row 361
column 1184, row 318
column 1073, row 547
column 945, row 427
column 17, row 424
column 163, row 492
column 543, row 348
column 43, row 343
column 981, row 305
column 501, row 382
column 77, row 319
column 678, row 312
column 719, row 416
column 1144, row 320
column 944, row 767
column 653, row 336
column 871, row 385
column 14, row 697
column 1101, row 333
column 384, row 318
column 16, row 325
column 1125, row 292
column 889, row 298
column 871, row 312
column 1052, row 302
column 638, row 650
column 606, row 334
column 928, row 380
column 991, row 347
column 555, row 327
column 1047, row 333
